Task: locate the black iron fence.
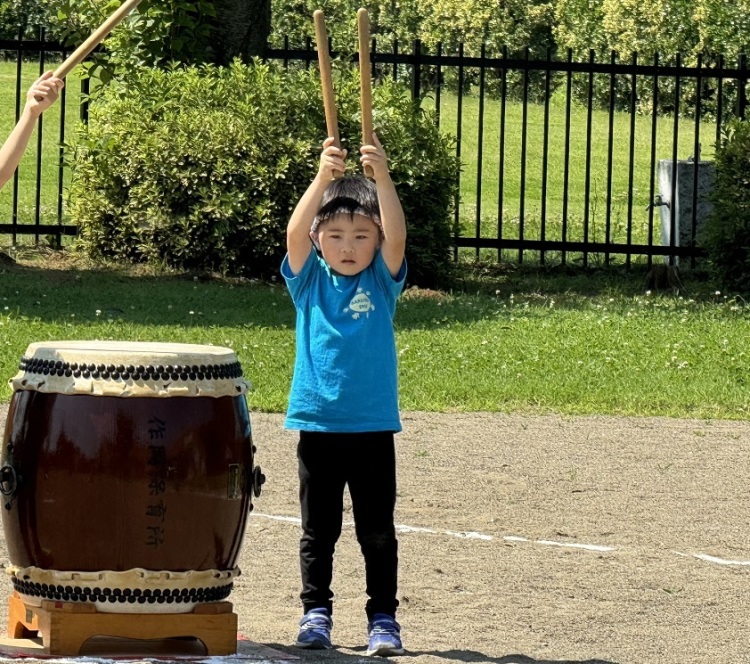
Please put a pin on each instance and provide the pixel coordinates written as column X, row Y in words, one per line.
column 33, row 203
column 567, row 160
column 562, row 160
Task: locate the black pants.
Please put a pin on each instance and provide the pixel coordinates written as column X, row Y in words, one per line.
column 367, row 463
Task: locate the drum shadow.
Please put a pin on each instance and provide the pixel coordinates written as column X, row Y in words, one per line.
column 103, row 646
column 474, row 656
column 166, row 649
column 289, row 652
column 178, row 648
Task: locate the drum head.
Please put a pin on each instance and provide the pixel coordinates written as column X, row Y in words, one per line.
column 124, row 368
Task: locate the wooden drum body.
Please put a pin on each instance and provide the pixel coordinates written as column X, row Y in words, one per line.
column 127, row 475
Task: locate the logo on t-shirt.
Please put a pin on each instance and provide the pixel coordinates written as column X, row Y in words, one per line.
column 360, row 304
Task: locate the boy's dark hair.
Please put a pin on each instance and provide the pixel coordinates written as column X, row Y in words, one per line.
column 351, row 194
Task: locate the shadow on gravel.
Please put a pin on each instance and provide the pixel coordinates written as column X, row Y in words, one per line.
column 474, row 656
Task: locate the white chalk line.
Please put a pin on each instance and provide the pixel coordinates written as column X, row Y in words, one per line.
column 712, row 559
column 399, row 528
column 460, row 534
column 598, row 548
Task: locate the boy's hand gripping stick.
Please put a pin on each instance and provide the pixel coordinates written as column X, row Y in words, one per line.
column 80, row 54
column 365, row 80
column 326, row 81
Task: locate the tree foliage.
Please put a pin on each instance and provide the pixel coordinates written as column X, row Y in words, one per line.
column 160, row 32
column 668, row 27
column 24, row 17
column 726, row 234
column 705, row 29
column 513, row 23
column 156, row 33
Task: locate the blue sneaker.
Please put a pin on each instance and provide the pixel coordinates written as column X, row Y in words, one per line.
column 315, row 630
column 385, row 636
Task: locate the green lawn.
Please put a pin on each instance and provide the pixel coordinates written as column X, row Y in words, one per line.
column 594, row 343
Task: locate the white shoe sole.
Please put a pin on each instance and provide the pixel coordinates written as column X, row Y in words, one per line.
column 317, row 645
column 385, row 652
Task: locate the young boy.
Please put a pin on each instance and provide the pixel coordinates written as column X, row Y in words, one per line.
column 344, row 396
column 41, row 95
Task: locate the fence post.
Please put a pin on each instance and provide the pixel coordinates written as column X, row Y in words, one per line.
column 545, row 154
column 566, row 162
column 85, row 87
column 459, row 123
column 587, row 182
column 39, row 144
column 480, row 146
column 395, row 59
column 61, row 164
column 501, row 150
column 524, row 152
column 652, row 174
column 673, row 240
column 416, row 71
column 742, row 85
column 19, row 59
column 438, row 81
column 696, row 158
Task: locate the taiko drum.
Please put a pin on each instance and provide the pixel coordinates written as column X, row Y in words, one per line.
column 127, row 474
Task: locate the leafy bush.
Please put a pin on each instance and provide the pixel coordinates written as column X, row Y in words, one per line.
column 292, row 19
column 726, row 233
column 200, row 168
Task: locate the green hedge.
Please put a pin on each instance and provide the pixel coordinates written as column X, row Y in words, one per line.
column 200, row 168
column 726, row 233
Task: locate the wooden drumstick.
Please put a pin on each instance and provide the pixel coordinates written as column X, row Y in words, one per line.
column 326, row 81
column 365, row 80
column 80, row 54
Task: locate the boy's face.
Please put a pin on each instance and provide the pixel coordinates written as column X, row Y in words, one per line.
column 348, row 244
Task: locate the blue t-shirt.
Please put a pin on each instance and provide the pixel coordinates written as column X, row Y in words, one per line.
column 345, row 375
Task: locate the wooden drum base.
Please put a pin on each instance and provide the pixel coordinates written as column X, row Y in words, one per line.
column 64, row 627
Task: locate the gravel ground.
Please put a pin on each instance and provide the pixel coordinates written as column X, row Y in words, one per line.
column 534, row 540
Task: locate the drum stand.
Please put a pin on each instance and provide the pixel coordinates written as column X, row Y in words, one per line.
column 65, row 626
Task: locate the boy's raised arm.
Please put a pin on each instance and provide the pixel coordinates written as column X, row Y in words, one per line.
column 298, row 243
column 391, row 213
